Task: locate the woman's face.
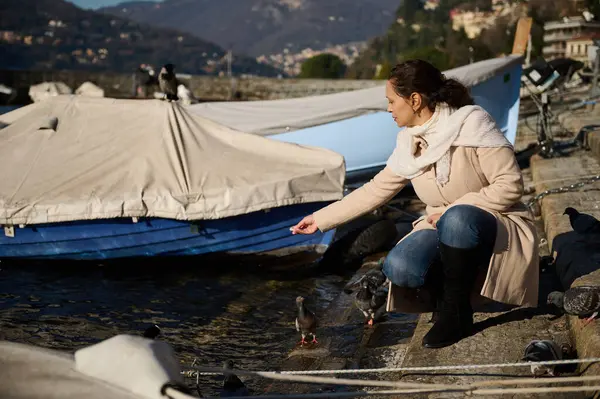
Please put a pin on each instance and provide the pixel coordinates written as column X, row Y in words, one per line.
column 401, row 109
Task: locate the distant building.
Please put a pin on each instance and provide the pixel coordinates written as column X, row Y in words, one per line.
column 474, row 21
column 431, row 4
column 577, row 47
column 558, row 33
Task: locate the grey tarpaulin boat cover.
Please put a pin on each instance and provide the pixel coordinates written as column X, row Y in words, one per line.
column 79, row 158
column 277, row 116
column 121, row 367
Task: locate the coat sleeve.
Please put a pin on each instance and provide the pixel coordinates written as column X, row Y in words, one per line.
column 379, row 190
column 500, row 168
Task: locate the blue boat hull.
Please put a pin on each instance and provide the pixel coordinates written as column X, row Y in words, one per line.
column 253, row 233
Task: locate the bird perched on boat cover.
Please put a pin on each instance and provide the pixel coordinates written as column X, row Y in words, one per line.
column 579, row 301
column 371, row 300
column 232, row 385
column 152, row 332
column 168, row 82
column 581, row 222
column 306, row 322
column 542, row 351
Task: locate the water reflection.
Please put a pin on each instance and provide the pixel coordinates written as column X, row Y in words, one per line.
column 210, row 311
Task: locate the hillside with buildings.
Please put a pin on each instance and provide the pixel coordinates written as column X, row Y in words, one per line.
column 451, row 33
column 55, row 34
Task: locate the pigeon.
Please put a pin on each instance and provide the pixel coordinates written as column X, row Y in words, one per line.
column 232, row 385
column 375, row 277
column 582, row 223
column 542, row 351
column 579, row 301
column 152, row 332
column 168, row 82
column 371, row 300
column 306, row 322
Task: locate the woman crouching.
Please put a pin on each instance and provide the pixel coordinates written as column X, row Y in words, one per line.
column 465, row 171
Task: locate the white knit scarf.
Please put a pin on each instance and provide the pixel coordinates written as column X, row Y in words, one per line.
column 442, row 131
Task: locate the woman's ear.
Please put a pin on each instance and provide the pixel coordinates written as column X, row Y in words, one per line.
column 416, row 102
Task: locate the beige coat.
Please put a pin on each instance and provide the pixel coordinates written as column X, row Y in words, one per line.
column 488, row 178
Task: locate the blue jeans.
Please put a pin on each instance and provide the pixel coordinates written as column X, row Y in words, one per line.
column 462, row 226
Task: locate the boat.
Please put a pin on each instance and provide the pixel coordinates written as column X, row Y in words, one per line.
column 355, row 124
column 91, row 178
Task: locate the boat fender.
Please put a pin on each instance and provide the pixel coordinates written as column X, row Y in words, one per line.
column 9, row 231
column 134, row 219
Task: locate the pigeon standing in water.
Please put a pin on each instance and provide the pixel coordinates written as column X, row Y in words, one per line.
column 232, row 385
column 542, row 351
column 371, row 300
column 306, row 322
column 582, row 223
column 152, row 332
column 168, row 82
column 579, row 301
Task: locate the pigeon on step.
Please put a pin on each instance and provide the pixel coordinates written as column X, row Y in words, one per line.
column 232, row 385
column 579, row 301
column 582, row 223
column 541, row 351
column 371, row 300
column 306, row 322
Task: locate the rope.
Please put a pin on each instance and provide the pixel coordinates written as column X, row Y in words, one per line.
column 483, row 392
column 476, row 388
column 399, row 384
column 335, row 381
column 215, row 371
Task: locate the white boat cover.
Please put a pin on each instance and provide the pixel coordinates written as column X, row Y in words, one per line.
column 121, row 367
column 90, row 90
column 46, row 90
column 79, row 158
column 279, row 116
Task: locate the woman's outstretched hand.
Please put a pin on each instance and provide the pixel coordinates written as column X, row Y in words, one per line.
column 305, row 226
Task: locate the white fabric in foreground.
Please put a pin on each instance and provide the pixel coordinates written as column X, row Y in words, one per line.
column 30, row 372
column 138, row 365
column 279, row 116
column 109, row 158
column 469, row 126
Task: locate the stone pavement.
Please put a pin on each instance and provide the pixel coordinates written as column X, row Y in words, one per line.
column 576, row 258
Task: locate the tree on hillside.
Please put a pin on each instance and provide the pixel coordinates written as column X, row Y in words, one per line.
column 439, row 59
column 499, row 38
column 384, row 70
column 323, row 66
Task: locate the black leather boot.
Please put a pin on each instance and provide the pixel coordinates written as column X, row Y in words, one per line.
column 455, row 318
column 435, row 285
